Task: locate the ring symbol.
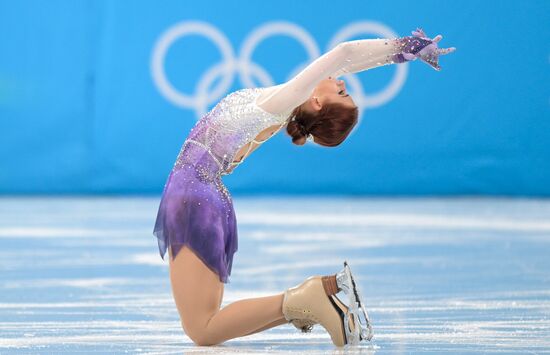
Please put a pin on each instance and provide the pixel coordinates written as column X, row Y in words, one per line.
column 248, row 70
column 225, row 69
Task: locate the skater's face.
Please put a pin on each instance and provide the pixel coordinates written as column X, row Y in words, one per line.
column 339, row 109
column 331, row 90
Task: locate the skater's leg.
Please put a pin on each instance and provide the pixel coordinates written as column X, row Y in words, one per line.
column 197, row 292
column 276, row 323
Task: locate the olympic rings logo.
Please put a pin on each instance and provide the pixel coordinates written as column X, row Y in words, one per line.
column 247, row 69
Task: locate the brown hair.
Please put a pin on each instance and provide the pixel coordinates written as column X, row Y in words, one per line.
column 330, row 125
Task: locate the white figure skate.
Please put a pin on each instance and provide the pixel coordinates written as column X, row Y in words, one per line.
column 315, row 302
column 356, row 308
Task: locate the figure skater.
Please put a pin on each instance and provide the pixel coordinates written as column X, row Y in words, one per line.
column 196, row 221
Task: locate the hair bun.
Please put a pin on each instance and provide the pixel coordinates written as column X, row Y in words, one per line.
column 297, row 131
column 303, row 129
column 327, row 127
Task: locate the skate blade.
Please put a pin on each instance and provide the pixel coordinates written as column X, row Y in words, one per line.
column 363, row 330
column 366, row 331
column 347, row 321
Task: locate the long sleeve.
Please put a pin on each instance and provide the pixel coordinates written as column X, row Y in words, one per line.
column 346, row 57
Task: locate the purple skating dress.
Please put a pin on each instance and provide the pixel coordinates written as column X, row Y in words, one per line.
column 196, row 209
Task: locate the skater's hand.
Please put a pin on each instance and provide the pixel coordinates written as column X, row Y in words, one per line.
column 421, row 46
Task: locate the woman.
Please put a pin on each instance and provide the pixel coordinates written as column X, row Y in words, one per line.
column 196, row 221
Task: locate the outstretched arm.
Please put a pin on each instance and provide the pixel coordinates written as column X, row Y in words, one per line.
column 352, row 57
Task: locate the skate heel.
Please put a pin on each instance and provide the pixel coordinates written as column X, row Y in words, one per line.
column 308, row 303
column 359, row 325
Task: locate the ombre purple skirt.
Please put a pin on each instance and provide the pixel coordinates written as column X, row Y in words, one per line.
column 196, row 211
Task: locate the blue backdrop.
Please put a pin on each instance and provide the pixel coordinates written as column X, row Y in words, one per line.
column 98, row 96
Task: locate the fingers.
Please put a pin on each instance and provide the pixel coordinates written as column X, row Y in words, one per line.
column 430, row 52
column 419, row 32
column 443, row 51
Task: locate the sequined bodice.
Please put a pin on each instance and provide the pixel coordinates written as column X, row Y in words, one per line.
column 233, row 123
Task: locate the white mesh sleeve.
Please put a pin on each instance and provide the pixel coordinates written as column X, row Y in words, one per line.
column 346, row 57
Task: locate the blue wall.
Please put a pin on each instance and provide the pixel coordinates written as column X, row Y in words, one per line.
column 82, row 110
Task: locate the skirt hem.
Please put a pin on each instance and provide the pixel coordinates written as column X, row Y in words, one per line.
column 179, row 246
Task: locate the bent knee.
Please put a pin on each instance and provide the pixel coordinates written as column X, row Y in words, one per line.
column 201, row 337
column 205, row 342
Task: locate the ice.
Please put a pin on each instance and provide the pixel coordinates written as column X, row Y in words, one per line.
column 462, row 275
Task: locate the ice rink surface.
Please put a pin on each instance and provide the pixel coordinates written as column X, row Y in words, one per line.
column 83, row 275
